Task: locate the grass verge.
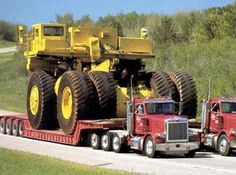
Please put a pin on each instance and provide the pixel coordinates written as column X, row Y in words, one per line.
column 13, row 82
column 4, row 43
column 21, row 163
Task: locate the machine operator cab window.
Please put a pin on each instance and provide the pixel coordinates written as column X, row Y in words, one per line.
column 139, row 109
column 53, row 31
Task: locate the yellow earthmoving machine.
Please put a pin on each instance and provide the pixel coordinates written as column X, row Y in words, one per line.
column 88, row 73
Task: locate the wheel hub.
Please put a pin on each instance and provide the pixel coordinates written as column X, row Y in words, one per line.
column 94, row 140
column 66, row 104
column 223, row 145
column 105, row 141
column 149, row 147
column 34, row 100
column 116, row 143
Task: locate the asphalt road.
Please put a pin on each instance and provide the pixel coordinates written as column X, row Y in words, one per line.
column 8, row 49
column 204, row 163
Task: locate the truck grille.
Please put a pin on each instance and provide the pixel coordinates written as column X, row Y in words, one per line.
column 177, row 131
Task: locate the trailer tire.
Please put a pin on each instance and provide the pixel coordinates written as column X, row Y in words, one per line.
column 117, row 146
column 190, row 154
column 3, row 126
column 75, row 100
column 8, row 127
column 15, row 128
column 95, row 141
column 106, row 93
column 106, row 140
column 21, row 128
column 224, row 146
column 41, row 101
column 149, row 147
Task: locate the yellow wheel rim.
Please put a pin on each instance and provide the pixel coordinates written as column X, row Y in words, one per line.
column 34, row 100
column 66, row 104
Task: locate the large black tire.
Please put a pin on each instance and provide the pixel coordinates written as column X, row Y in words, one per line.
column 224, row 146
column 106, row 93
column 162, row 85
column 82, row 94
column 45, row 117
column 185, row 93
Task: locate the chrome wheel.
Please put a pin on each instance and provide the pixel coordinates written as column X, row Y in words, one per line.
column 116, row 143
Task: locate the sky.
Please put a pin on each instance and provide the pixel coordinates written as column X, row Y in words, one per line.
column 42, row 11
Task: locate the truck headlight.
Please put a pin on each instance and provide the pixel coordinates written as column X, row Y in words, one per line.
column 191, row 132
column 233, row 132
column 161, row 135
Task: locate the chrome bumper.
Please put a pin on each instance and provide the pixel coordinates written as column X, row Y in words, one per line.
column 177, row 148
column 232, row 144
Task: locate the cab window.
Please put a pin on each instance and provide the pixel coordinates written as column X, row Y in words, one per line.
column 215, row 107
column 139, row 109
column 53, row 31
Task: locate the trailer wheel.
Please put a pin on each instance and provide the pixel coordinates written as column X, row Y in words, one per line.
column 224, row 146
column 106, row 141
column 117, row 146
column 95, row 141
column 2, row 126
column 75, row 100
column 21, row 127
column 106, row 93
column 41, row 101
column 149, row 147
column 9, row 127
column 190, row 154
column 15, row 128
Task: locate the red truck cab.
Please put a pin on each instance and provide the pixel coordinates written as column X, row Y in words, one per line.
column 219, row 124
column 153, row 127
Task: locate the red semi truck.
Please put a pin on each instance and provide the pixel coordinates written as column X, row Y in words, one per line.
column 151, row 126
column 218, row 125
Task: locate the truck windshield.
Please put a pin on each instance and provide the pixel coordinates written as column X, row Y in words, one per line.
column 228, row 107
column 160, row 108
column 53, row 31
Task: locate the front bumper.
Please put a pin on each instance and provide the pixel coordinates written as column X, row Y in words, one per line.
column 233, row 144
column 177, row 148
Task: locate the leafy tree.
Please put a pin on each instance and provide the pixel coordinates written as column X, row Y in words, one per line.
column 85, row 21
column 67, row 19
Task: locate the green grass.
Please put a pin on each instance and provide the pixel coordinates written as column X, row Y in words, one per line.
column 13, row 82
column 21, row 163
column 4, row 43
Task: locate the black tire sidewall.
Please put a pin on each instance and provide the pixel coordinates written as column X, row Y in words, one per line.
column 98, row 138
column 66, row 123
column 149, row 138
column 227, row 151
column 35, row 120
column 108, row 148
column 3, row 126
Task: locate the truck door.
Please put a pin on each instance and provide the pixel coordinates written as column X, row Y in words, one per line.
column 139, row 114
column 214, row 120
